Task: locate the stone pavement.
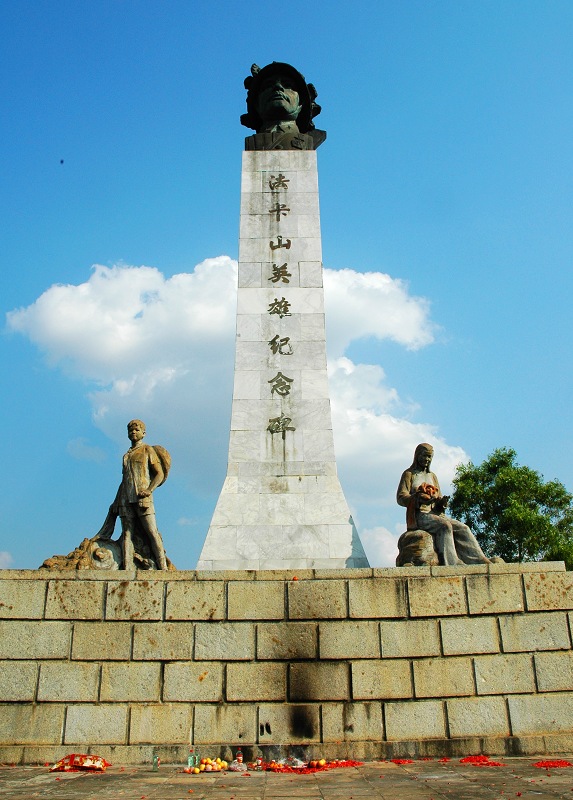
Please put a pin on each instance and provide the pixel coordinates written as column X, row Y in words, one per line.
column 419, row 780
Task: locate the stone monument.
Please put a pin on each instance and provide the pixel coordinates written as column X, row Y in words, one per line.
column 281, row 505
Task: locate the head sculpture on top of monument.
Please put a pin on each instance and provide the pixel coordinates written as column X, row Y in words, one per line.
column 280, row 108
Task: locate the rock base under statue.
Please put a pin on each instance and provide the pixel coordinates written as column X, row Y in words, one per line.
column 416, row 548
column 97, row 553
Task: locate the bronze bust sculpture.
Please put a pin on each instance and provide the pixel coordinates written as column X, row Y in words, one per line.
column 280, row 108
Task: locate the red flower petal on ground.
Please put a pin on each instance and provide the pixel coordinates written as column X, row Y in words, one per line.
column 557, row 763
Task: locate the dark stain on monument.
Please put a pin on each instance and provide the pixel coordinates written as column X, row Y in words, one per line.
column 301, row 724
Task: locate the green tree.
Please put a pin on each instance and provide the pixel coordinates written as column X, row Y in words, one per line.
column 513, row 512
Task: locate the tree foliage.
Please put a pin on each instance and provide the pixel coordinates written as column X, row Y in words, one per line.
column 513, row 512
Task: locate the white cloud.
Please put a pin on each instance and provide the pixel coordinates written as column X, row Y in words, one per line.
column 6, row 560
column 81, row 450
column 381, row 546
column 162, row 349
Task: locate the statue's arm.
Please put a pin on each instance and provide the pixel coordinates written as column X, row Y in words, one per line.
column 155, row 471
column 404, row 489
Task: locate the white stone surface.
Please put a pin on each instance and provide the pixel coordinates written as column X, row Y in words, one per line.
column 281, row 505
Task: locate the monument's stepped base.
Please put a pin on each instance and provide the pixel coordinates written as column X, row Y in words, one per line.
column 359, row 663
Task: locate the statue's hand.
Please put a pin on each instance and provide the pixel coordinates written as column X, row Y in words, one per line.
column 144, row 493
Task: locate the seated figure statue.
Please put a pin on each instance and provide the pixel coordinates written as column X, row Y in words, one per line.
column 419, row 491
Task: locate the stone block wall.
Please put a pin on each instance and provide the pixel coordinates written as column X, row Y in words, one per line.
column 361, row 663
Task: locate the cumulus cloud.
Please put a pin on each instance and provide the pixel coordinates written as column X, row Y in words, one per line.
column 81, row 450
column 6, row 560
column 162, row 349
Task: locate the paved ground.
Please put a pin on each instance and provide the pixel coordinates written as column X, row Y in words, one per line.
column 420, row 780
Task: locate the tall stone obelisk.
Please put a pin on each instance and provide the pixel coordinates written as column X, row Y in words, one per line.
column 281, row 505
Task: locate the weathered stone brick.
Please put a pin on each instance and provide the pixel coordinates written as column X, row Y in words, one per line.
column 256, row 681
column 132, row 681
column 477, row 716
column 423, row 719
column 162, row 641
column 541, row 713
column 462, row 635
column 134, row 600
column 95, row 641
column 224, row 641
column 29, row 724
column 319, row 681
column 105, row 724
column 554, row 671
column 350, row 722
column 75, row 600
column 548, row 590
column 534, row 632
column 18, row 680
column 504, row 674
column 22, row 599
column 287, row 723
column 201, row 600
column 494, row 594
column 437, row 597
column 381, row 680
column 31, row 640
column 256, row 600
column 234, row 724
column 68, row 682
column 185, row 681
column 377, row 598
column 317, row 599
column 443, row 677
column 410, row 638
column 342, row 640
column 287, row 640
column 168, row 723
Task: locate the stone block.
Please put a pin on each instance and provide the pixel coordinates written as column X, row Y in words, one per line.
column 233, row 724
column 554, row 671
column 256, row 600
column 134, row 600
column 68, row 682
column 31, row 640
column 185, row 681
column 167, row 723
column 105, row 724
column 410, row 638
column 289, row 723
column 162, row 641
column 462, row 635
column 346, row 639
column 95, row 641
column 75, row 600
column 287, row 641
column 201, row 600
column 224, row 641
column 319, row 681
column 534, row 632
column 423, row 719
column 541, row 713
column 443, row 677
column 22, row 599
column 381, row 680
column 545, row 591
column 477, row 716
column 528, row 566
column 28, row 724
column 320, row 599
column 437, row 597
column 18, row 680
column 510, row 673
column 130, row 682
column 351, row 722
column 256, row 681
column 374, row 598
column 494, row 594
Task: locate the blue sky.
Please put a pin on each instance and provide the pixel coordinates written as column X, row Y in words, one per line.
column 448, row 168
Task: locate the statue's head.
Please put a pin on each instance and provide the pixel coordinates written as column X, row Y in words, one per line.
column 135, row 430
column 278, row 92
column 423, row 456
